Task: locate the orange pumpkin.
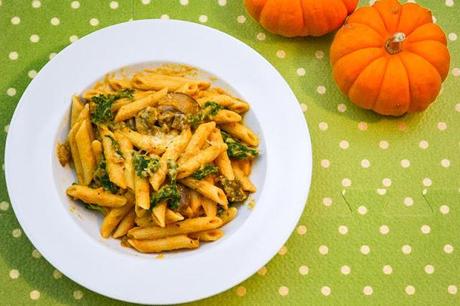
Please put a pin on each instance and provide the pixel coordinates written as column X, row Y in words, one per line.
column 390, row 58
column 292, row 18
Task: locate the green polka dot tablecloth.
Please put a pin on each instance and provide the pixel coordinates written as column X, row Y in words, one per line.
column 382, row 224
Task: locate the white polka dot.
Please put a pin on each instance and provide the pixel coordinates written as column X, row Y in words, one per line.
column 434, row 19
column 261, row 36
column 387, row 269
column 303, row 270
column 323, row 250
column 384, row 229
column 183, row 2
column 445, row 163
column 283, row 251
column 327, row 201
column 456, row 72
column 32, row 74
column 326, row 291
column 14, row 274
column 427, row 182
column 383, row 144
column 283, row 290
column 444, row 209
column 241, row 19
column 362, row 126
column 16, row 233
column 34, row 38
column 345, row 270
column 241, row 291
column 11, row 92
column 4, row 205
column 77, row 294
column 73, row 38
column 36, row 4
column 57, row 274
column 165, row 17
column 423, row 144
column 442, row 126
column 13, row 55
column 402, row 126
column 365, row 249
column 36, row 254
column 452, row 36
column 325, row 163
column 262, row 271
column 365, row 163
column 408, row 201
column 448, row 248
column 342, row 108
column 381, row 191
column 52, row 54
column 343, row 229
column 319, row 54
column 410, row 290
column 145, row 2
column 301, row 230
column 34, row 294
column 344, row 144
column 304, row 107
column 321, row 90
column 113, row 5
column 406, row 249
column 203, row 18
column 323, row 126
column 222, row 2
column 300, row 71
column 55, row 21
column 281, row 54
column 15, row 20
column 429, row 269
column 346, row 182
column 362, row 210
column 405, row 163
column 94, row 22
column 450, row 3
column 386, row 182
column 368, row 290
column 452, row 289
column 75, row 4
column 425, row 229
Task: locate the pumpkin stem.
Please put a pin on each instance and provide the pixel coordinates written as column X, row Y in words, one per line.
column 394, row 44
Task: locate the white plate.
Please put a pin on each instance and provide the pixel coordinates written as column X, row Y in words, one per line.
column 68, row 235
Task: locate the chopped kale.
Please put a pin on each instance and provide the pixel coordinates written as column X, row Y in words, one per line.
column 101, row 177
column 145, row 165
column 116, row 147
column 211, row 109
column 232, row 188
column 205, row 171
column 95, row 208
column 169, row 193
column 103, row 111
column 172, row 171
column 208, row 112
column 236, row 149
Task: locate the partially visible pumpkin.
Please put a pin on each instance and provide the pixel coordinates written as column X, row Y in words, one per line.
column 390, row 58
column 292, row 18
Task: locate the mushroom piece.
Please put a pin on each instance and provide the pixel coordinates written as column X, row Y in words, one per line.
column 184, row 197
column 180, row 102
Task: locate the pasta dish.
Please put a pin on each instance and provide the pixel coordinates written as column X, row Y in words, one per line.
column 164, row 157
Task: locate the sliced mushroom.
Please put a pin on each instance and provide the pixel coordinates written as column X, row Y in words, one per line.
column 184, row 197
column 180, row 102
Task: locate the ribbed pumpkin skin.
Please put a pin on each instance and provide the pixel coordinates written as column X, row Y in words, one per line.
column 291, row 18
column 374, row 78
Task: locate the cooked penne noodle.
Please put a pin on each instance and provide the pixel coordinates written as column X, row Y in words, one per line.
column 113, row 157
column 172, row 216
column 206, row 189
column 210, row 207
column 118, row 84
column 126, row 148
column 125, row 225
column 195, row 202
column 228, row 215
column 142, row 193
column 241, row 132
column 165, row 244
column 114, row 217
column 226, row 116
column 184, row 227
column 189, row 88
column 75, row 154
column 88, row 161
column 151, row 144
column 226, row 101
column 153, row 81
column 172, row 153
column 246, row 184
column 96, row 196
column 223, row 161
column 130, row 110
column 159, row 214
column 136, row 96
column 96, row 146
column 211, row 235
column 76, row 108
column 197, row 141
column 200, row 159
column 245, row 165
column 145, row 220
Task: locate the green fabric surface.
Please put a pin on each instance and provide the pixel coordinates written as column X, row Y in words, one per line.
column 382, row 222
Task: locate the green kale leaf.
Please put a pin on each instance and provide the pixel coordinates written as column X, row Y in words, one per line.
column 103, row 111
column 236, row 149
column 205, row 171
column 169, row 193
column 145, row 165
column 101, row 177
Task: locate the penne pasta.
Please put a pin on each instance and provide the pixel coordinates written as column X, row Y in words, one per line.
column 226, row 101
column 172, row 216
column 154, row 81
column 159, row 214
column 195, row 203
column 241, row 132
column 125, row 225
column 96, row 196
column 209, row 207
column 226, row 116
column 206, row 189
column 113, row 157
column 245, row 165
column 126, row 148
column 197, row 141
column 96, row 146
column 75, row 154
column 136, row 96
column 114, row 217
column 211, row 235
column 88, row 161
column 246, row 184
column 228, row 215
column 223, row 161
column 141, row 193
column 149, row 143
column 184, row 227
column 130, row 110
column 165, row 244
column 76, row 108
column 145, row 220
column 200, row 159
